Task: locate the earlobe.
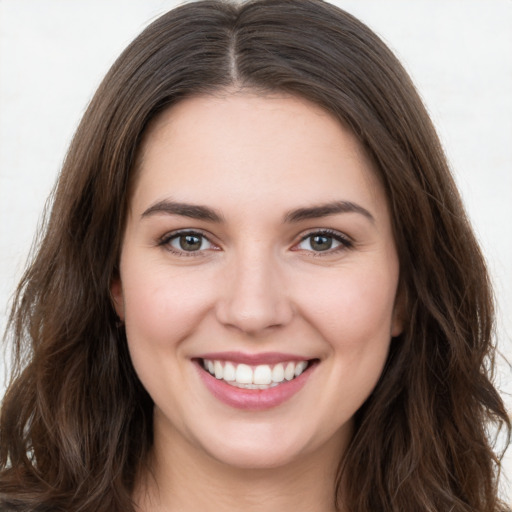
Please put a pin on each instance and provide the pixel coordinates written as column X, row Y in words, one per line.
column 398, row 320
column 116, row 295
column 397, row 325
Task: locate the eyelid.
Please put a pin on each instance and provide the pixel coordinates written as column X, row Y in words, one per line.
column 345, row 241
column 164, row 241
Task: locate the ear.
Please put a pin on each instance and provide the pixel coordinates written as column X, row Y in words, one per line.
column 116, row 294
column 398, row 319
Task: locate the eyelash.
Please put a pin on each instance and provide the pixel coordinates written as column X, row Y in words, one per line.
column 166, row 240
column 344, row 241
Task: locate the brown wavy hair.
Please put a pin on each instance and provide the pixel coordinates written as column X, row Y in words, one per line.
column 76, row 423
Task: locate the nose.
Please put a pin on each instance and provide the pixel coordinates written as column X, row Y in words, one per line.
column 254, row 297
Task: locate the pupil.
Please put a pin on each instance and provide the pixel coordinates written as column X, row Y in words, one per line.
column 321, row 242
column 190, row 242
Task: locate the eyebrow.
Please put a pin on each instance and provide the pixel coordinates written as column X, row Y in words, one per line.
column 205, row 213
column 184, row 209
column 324, row 210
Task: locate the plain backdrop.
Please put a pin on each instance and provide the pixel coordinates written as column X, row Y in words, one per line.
column 53, row 54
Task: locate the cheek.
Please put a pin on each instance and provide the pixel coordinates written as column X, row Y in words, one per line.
column 353, row 308
column 162, row 306
column 162, row 309
column 354, row 317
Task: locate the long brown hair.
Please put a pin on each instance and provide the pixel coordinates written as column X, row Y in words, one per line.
column 76, row 423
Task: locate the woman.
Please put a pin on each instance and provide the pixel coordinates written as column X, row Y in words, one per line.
column 257, row 289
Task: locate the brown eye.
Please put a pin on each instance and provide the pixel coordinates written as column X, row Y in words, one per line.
column 190, row 242
column 324, row 241
column 321, row 242
column 187, row 242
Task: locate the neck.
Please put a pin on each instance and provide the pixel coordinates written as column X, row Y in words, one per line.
column 181, row 477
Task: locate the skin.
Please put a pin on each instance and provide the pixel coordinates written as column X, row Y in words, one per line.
column 255, row 285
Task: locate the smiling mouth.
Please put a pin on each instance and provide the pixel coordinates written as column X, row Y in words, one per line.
column 262, row 376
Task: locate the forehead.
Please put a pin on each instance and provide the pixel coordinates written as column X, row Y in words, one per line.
column 268, row 149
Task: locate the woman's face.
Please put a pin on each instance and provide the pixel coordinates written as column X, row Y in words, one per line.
column 258, row 278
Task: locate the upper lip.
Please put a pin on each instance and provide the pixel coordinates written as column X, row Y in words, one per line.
column 253, row 359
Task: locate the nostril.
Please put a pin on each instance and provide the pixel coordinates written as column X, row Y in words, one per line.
column 255, row 315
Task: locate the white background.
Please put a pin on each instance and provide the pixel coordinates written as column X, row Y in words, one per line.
column 53, row 54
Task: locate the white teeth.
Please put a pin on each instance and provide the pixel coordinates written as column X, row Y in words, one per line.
column 278, row 373
column 244, row 374
column 229, row 372
column 217, row 365
column 300, row 368
column 289, row 371
column 252, row 386
column 260, row 376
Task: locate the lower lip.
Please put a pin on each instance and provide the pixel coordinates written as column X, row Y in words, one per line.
column 253, row 399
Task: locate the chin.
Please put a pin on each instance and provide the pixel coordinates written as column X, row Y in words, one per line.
column 271, row 446
column 254, row 456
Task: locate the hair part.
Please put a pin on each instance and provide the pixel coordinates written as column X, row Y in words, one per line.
column 76, row 423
